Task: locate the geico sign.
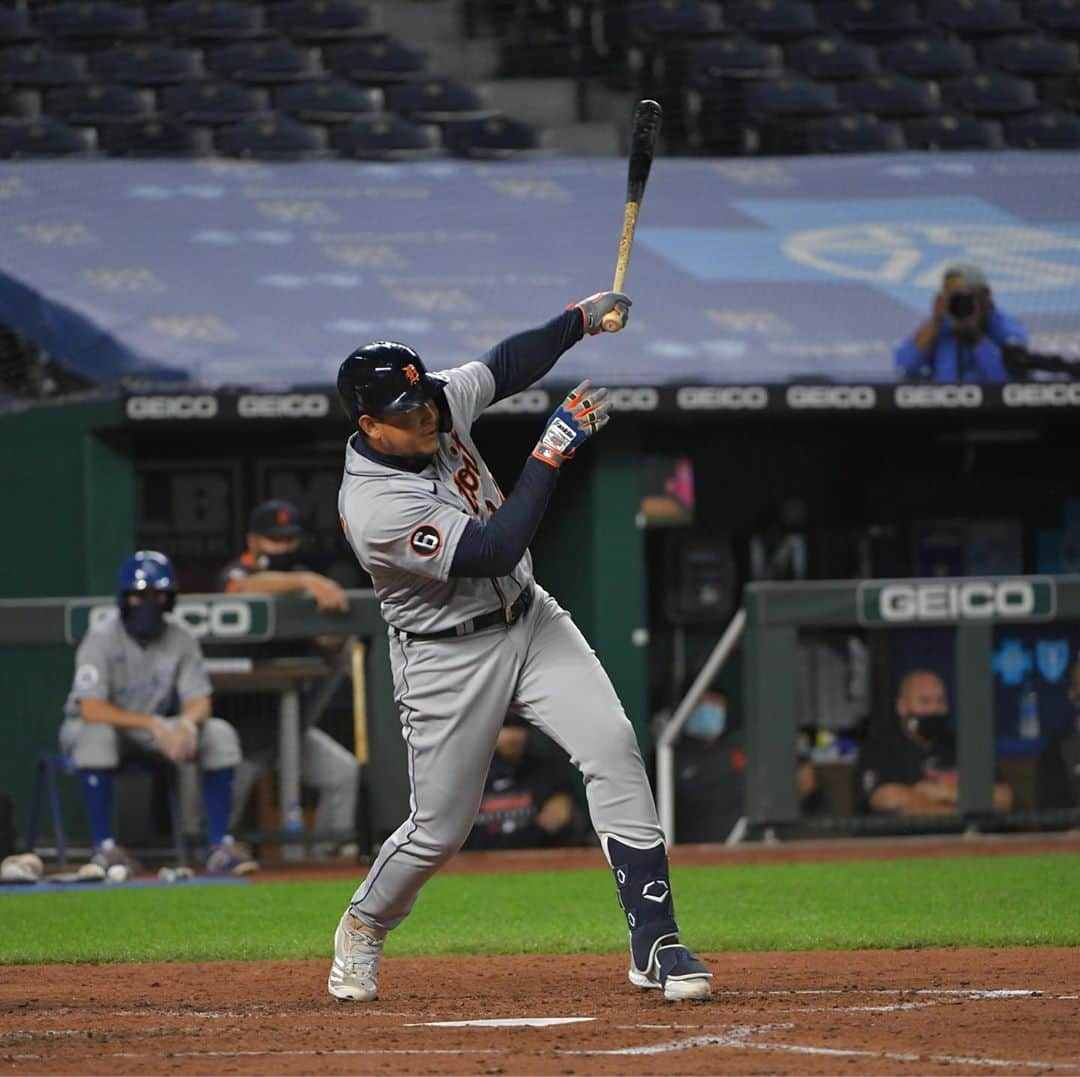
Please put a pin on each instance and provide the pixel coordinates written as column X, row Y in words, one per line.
column 938, row 396
column 171, row 407
column 282, row 406
column 972, row 600
column 227, row 619
column 643, row 399
column 1055, row 394
column 842, row 397
column 722, row 397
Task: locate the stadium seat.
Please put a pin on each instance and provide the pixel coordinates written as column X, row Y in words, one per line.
column 774, row 20
column 645, row 20
column 271, row 137
column 384, row 137
column 147, row 65
column 92, row 103
column 213, row 103
column 931, row 58
column 211, row 21
column 892, row 96
column 857, row 132
column 316, row 21
column 15, row 28
column 833, row 59
column 953, row 131
column 44, row 137
column 707, row 61
column 991, row 94
column 263, row 62
column 1058, row 16
column 20, row 104
column 378, row 61
column 90, row 26
column 879, row 21
column 158, row 138
column 1033, row 56
column 790, row 95
column 494, row 137
column 978, row 18
column 435, row 99
column 1044, row 131
column 326, row 101
column 39, row 68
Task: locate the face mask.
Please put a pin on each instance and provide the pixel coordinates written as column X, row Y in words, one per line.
column 144, row 622
column 933, row 728
column 278, row 562
column 707, row 720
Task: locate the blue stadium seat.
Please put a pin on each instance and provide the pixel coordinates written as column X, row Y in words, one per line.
column 326, row 101
column 434, row 99
column 316, row 21
column 1044, row 131
column 978, row 18
column 211, row 21
column 646, row 20
column 857, row 132
column 20, row 104
column 991, row 94
column 212, row 104
column 91, row 25
column 39, row 68
column 384, row 138
column 147, row 65
column 92, row 103
column 1033, row 56
column 706, row 62
column 1058, row 16
column 495, row 137
column 263, row 62
column 44, row 137
column 891, row 95
column 15, row 28
column 774, row 20
column 879, row 21
column 378, row 61
column 833, row 58
column 271, row 137
column 931, row 58
column 953, row 131
column 790, row 95
column 158, row 138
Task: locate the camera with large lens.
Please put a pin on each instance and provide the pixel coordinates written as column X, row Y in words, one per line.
column 961, row 305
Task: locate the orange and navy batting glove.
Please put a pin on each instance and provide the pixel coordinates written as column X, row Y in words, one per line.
column 578, row 417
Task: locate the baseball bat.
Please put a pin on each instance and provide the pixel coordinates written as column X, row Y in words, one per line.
column 647, row 117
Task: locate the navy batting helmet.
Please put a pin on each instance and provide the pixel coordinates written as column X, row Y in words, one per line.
column 385, row 378
column 146, row 570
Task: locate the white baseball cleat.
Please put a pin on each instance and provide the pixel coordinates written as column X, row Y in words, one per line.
column 356, row 961
column 674, row 969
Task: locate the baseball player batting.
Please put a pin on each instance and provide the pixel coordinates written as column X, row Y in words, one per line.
column 474, row 637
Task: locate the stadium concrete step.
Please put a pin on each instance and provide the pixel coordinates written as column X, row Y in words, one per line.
column 543, row 102
column 583, row 139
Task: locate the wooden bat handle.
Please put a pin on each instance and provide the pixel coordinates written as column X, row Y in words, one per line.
column 613, row 320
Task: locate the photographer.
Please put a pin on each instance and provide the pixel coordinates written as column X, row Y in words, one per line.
column 965, row 335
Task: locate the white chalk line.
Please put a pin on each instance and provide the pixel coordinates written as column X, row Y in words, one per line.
column 312, row 1051
column 502, row 1022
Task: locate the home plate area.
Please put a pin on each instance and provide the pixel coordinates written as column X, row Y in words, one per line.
column 912, row 1011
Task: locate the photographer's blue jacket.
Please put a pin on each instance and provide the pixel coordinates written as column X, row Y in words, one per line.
column 953, row 360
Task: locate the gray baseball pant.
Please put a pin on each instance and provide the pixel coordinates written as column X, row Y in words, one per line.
column 99, row 746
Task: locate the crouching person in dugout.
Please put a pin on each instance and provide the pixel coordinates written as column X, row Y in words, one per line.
column 141, row 686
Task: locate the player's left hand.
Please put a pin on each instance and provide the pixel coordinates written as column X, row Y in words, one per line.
column 596, row 306
column 579, row 416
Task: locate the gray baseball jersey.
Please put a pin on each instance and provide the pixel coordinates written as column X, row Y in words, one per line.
column 156, row 679
column 405, row 527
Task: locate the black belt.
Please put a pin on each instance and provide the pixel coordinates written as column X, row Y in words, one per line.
column 508, row 615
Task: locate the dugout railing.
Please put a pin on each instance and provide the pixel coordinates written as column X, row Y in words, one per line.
column 769, row 625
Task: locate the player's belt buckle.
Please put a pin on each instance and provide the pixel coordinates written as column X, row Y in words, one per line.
column 508, row 612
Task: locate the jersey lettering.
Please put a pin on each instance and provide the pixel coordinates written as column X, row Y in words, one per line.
column 425, row 541
column 467, row 477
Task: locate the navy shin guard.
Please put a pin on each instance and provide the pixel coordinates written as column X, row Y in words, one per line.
column 645, row 895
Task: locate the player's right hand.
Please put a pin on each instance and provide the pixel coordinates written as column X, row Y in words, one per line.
column 579, row 416
column 171, row 740
column 329, row 597
column 596, row 306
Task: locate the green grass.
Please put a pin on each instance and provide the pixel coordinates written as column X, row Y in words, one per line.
column 976, row 901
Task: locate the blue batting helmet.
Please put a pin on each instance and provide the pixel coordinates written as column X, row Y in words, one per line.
column 145, row 570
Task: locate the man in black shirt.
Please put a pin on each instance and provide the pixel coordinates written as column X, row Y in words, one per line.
column 910, row 769
column 1057, row 779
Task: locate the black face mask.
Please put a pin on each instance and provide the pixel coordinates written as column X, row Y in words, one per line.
column 278, row 562
column 933, row 728
column 145, row 622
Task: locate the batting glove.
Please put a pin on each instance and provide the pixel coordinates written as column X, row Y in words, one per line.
column 596, row 306
column 578, row 417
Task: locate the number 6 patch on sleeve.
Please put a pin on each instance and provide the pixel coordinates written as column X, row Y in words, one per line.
column 425, row 541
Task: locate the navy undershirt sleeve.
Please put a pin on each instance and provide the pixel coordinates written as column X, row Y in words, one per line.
column 495, row 548
column 526, row 357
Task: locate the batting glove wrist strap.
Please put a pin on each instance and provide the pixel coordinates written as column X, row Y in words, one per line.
column 579, row 416
column 596, row 306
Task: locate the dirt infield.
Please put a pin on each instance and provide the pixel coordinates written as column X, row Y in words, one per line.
column 904, row 1012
